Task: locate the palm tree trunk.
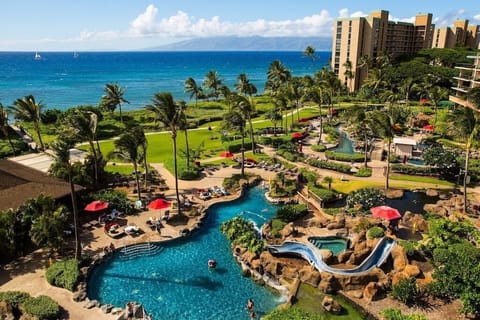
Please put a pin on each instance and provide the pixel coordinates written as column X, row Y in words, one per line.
column 243, row 153
column 187, row 147
column 365, row 159
column 465, row 178
column 37, row 129
column 145, row 164
column 387, row 173
column 174, row 140
column 120, row 109
column 137, row 180
column 78, row 247
column 298, row 111
column 291, row 114
column 95, row 161
column 321, row 125
column 11, row 145
column 251, row 132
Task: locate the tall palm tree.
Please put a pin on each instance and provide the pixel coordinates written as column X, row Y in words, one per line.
column 330, row 82
column 349, row 74
column 435, row 95
column 274, row 115
column 234, row 119
column 277, row 75
column 408, row 86
column 183, row 125
column 193, row 89
column 309, row 52
column 28, row 110
column 143, row 143
column 362, row 123
column 383, row 125
column 113, row 97
column 167, row 112
column 127, row 147
column 63, row 166
column 243, row 105
column 244, row 86
column 212, row 82
column 5, row 128
column 317, row 94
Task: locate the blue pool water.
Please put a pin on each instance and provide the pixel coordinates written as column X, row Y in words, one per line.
column 335, row 244
column 177, row 284
column 345, row 145
column 417, row 162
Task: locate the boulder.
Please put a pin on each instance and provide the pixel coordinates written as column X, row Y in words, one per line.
column 327, row 256
column 331, row 305
column 344, row 256
column 79, row 295
column 399, row 258
column 371, row 292
column 431, row 193
column 91, row 304
column 328, row 283
column 357, row 282
column 116, row 311
column 288, row 230
column 358, row 256
column 6, row 312
column 248, row 256
column 411, row 270
column 335, row 225
column 310, row 275
column 239, row 250
column 427, row 278
column 418, row 223
column 357, row 294
column 371, row 243
column 398, row 276
column 106, row 308
column 394, row 193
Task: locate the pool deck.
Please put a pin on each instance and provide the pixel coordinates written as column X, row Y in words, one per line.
column 28, row 273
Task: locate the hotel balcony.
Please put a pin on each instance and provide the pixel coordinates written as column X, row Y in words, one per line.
column 465, row 103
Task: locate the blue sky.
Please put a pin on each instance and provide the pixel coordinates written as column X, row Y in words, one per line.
column 31, row 25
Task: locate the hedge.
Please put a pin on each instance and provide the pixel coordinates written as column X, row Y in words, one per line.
column 292, row 212
column 290, row 156
column 345, row 157
column 236, row 146
column 375, row 232
column 42, row 307
column 363, row 172
column 63, row 274
column 323, row 164
column 414, row 170
column 324, row 194
column 14, row 298
column 319, row 148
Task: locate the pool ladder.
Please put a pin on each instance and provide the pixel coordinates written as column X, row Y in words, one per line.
column 140, row 250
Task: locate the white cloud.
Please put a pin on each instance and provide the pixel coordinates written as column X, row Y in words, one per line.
column 409, row 20
column 477, row 17
column 183, row 25
column 449, row 18
column 344, row 13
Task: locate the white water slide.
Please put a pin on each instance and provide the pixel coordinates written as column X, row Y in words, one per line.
column 376, row 258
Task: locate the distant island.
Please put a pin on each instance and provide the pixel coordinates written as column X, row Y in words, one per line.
column 256, row 43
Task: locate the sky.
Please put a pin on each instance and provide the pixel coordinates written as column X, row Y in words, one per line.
column 82, row 25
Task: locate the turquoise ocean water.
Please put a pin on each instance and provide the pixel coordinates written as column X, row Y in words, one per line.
column 62, row 81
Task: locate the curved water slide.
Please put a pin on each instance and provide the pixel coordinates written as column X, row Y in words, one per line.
column 310, row 253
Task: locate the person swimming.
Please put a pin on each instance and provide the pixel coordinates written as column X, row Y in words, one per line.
column 250, row 304
column 212, row 263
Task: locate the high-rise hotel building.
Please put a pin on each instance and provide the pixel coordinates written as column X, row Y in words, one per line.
column 369, row 36
column 468, row 78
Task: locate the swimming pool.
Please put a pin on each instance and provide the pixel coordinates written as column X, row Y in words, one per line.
column 335, row 244
column 176, row 283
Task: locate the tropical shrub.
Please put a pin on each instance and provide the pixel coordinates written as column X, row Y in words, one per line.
column 366, row 198
column 292, row 313
column 63, row 274
column 14, row 298
column 405, row 290
column 241, row 232
column 319, row 148
column 324, row 164
column 363, row 172
column 116, row 199
column 292, row 212
column 189, row 174
column 375, row 232
column 236, row 146
column 42, row 307
column 324, row 194
column 409, row 246
column 345, row 157
column 414, row 170
column 289, row 155
column 396, row 314
column 363, row 224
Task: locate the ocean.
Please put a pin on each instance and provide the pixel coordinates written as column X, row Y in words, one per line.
column 60, row 80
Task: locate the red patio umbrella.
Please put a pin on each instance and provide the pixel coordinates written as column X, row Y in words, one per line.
column 385, row 212
column 226, row 154
column 96, row 205
column 159, row 204
column 297, row 135
column 428, row 127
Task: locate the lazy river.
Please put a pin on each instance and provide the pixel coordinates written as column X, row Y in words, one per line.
column 176, row 283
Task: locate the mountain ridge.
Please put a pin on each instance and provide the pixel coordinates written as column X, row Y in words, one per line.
column 255, row 43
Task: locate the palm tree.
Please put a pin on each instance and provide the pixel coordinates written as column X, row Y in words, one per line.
column 349, row 74
column 194, row 90
column 167, row 112
column 317, row 94
column 328, row 180
column 183, row 125
column 63, row 166
column 244, row 86
column 244, row 106
column 309, row 52
column 274, row 115
column 362, row 122
column 28, row 110
column 47, row 227
column 143, row 143
column 127, row 146
column 383, row 125
column 5, row 128
column 435, row 95
column 408, row 86
column 212, row 82
column 331, row 84
column 113, row 97
column 277, row 76
column 234, row 119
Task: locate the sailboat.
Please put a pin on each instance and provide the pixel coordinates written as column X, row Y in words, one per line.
column 75, row 55
column 38, row 56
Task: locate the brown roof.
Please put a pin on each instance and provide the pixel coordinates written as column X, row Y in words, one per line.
column 19, row 183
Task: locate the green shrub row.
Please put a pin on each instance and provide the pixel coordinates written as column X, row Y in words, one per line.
column 413, row 170
column 236, row 146
column 290, row 156
column 63, row 274
column 363, row 172
column 324, row 164
column 274, row 141
column 345, row 157
column 375, row 232
column 319, row 148
column 324, row 194
column 189, row 174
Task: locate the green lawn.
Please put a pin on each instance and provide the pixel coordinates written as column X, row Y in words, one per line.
column 422, row 179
